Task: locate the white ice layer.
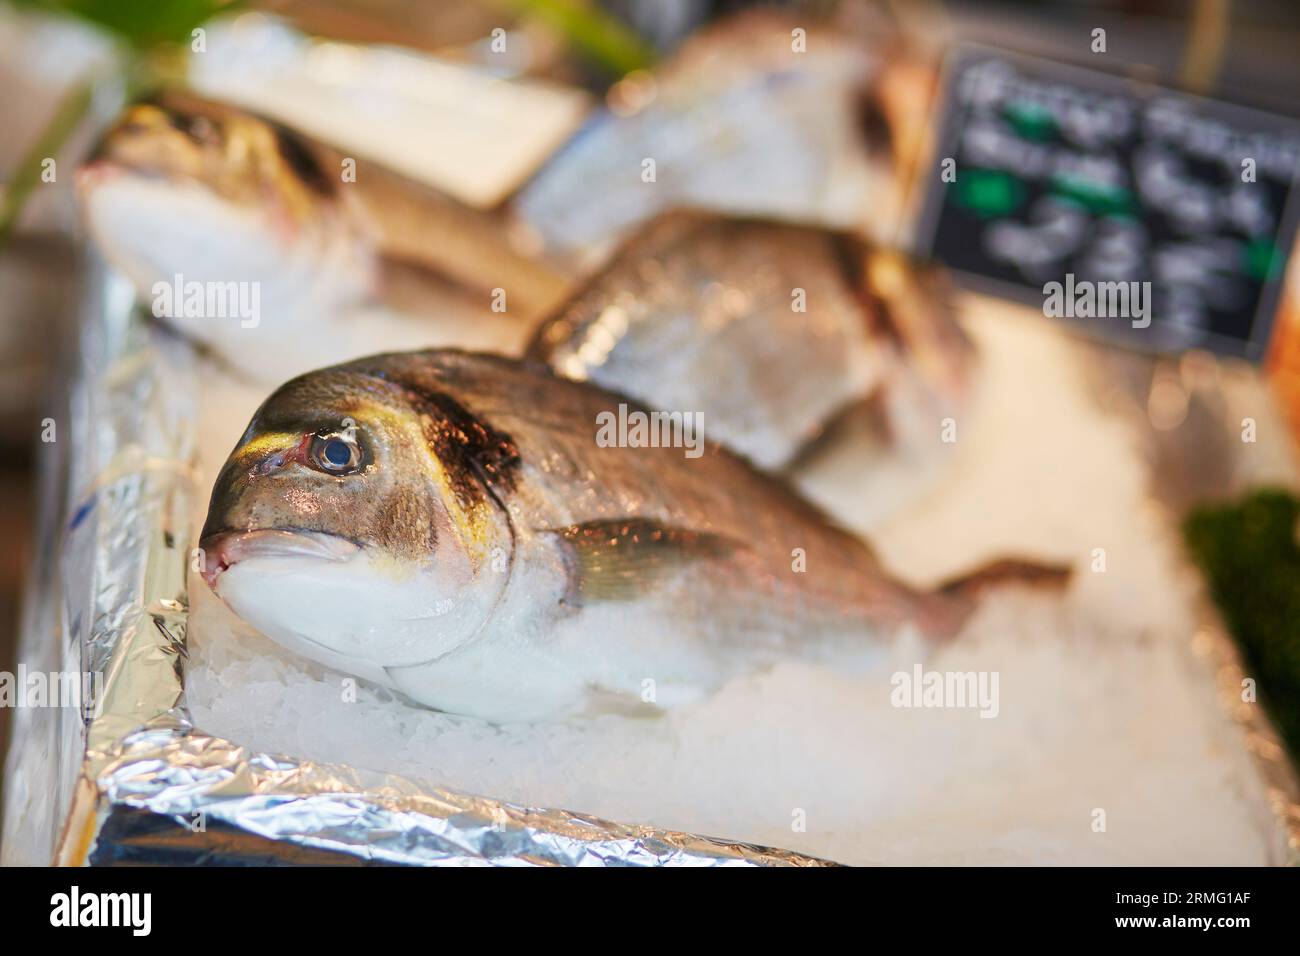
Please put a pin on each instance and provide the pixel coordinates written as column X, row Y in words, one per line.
column 1101, row 705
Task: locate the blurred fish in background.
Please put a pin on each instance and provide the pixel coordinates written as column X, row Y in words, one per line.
column 741, row 119
column 810, row 351
column 205, row 192
column 737, row 121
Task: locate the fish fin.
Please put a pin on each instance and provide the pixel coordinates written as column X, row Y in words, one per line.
column 620, row 560
column 415, row 288
column 958, row 597
column 861, row 423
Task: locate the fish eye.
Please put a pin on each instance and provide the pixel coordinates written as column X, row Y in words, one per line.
column 336, row 454
column 198, row 128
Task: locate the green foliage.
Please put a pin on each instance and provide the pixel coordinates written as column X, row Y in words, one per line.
column 602, row 39
column 28, row 173
column 1249, row 554
column 141, row 24
column 154, row 33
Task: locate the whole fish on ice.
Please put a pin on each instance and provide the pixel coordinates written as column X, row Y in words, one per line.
column 189, row 192
column 778, row 333
column 742, row 120
column 446, row 524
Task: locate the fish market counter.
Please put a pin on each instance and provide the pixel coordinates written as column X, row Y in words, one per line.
column 1116, row 732
column 128, row 778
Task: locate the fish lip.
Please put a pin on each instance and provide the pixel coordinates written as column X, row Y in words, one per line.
column 102, row 171
column 94, row 173
column 223, row 549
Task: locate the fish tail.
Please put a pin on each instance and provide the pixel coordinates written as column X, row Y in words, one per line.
column 950, row 606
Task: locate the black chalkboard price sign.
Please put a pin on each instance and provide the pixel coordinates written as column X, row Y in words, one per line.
column 1140, row 213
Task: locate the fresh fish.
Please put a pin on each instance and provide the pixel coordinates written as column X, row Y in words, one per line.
column 183, row 190
column 743, row 120
column 447, row 524
column 774, row 331
column 877, row 455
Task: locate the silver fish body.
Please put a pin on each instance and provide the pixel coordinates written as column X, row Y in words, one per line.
column 801, row 345
column 322, row 258
column 447, row 524
column 739, row 121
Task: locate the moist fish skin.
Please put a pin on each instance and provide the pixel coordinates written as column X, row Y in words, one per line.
column 763, row 112
column 444, row 523
column 184, row 186
column 739, row 121
column 756, row 323
column 773, row 329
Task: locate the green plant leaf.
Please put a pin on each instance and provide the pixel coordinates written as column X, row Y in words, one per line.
column 139, row 23
column 590, row 31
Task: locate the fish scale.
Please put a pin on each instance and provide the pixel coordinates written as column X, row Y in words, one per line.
column 564, row 574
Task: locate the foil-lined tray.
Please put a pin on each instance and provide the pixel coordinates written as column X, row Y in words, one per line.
column 127, row 777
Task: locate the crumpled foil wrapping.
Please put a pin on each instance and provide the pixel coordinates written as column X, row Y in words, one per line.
column 127, row 778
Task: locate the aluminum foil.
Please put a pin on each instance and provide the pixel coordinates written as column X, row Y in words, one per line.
column 127, row 777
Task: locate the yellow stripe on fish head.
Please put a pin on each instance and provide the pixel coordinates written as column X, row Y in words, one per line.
column 267, row 443
column 470, row 515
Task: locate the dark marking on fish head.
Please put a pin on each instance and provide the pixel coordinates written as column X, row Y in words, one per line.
column 479, row 459
column 239, row 156
column 336, row 519
column 302, row 161
column 405, row 471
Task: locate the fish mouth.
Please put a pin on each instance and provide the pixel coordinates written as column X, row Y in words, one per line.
column 104, row 171
column 227, row 548
column 95, row 172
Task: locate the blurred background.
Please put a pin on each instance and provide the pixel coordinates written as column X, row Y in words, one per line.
column 62, row 67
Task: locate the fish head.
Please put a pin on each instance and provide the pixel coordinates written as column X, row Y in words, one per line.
column 180, row 186
column 353, row 524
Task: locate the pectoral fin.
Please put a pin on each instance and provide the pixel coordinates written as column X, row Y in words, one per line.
column 622, row 560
